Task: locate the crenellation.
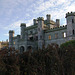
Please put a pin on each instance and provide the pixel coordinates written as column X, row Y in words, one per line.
column 40, row 18
column 43, row 32
column 70, row 14
column 11, row 31
column 23, row 24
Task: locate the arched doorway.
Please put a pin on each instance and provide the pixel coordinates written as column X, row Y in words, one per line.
column 21, row 49
column 29, row 48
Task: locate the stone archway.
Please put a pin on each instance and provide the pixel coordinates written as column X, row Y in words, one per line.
column 21, row 49
column 29, row 48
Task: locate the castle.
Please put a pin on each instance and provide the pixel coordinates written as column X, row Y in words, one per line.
column 43, row 32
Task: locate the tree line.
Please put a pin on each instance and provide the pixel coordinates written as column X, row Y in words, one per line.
column 53, row 60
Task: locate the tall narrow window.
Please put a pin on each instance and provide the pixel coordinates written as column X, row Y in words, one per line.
column 72, row 20
column 40, row 36
column 56, row 35
column 73, row 31
column 64, row 34
column 49, row 37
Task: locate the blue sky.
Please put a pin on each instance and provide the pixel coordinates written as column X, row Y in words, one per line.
column 15, row 12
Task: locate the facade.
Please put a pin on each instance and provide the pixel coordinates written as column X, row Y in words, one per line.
column 43, row 32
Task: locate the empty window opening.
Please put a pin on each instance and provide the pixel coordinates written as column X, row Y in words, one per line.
column 21, row 49
column 31, row 38
column 64, row 34
column 56, row 35
column 29, row 48
column 72, row 20
column 73, row 32
column 36, row 37
column 41, row 37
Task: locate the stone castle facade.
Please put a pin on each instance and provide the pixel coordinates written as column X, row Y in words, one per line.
column 43, row 32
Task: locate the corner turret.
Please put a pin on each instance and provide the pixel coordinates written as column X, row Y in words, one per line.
column 11, row 36
column 70, row 18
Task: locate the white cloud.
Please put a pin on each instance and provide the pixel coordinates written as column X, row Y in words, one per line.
column 57, row 8
column 6, row 34
column 14, row 25
column 22, row 11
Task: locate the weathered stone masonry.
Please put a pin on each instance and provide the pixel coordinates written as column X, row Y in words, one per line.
column 43, row 32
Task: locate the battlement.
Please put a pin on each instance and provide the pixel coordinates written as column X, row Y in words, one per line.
column 11, row 31
column 56, row 28
column 70, row 14
column 48, row 15
column 40, row 18
column 23, row 24
column 59, row 27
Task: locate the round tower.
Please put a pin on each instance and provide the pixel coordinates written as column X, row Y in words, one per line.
column 11, row 36
column 23, row 26
column 70, row 18
column 40, row 32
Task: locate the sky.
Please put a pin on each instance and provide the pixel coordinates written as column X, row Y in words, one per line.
column 15, row 12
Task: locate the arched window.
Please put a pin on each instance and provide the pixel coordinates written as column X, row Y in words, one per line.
column 73, row 31
column 29, row 48
column 21, row 49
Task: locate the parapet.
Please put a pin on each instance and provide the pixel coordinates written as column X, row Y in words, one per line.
column 40, row 18
column 23, row 24
column 11, row 31
column 70, row 14
column 48, row 15
column 57, row 28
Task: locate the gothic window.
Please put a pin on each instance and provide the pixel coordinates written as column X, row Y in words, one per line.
column 72, row 20
column 73, row 32
column 49, row 37
column 56, row 35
